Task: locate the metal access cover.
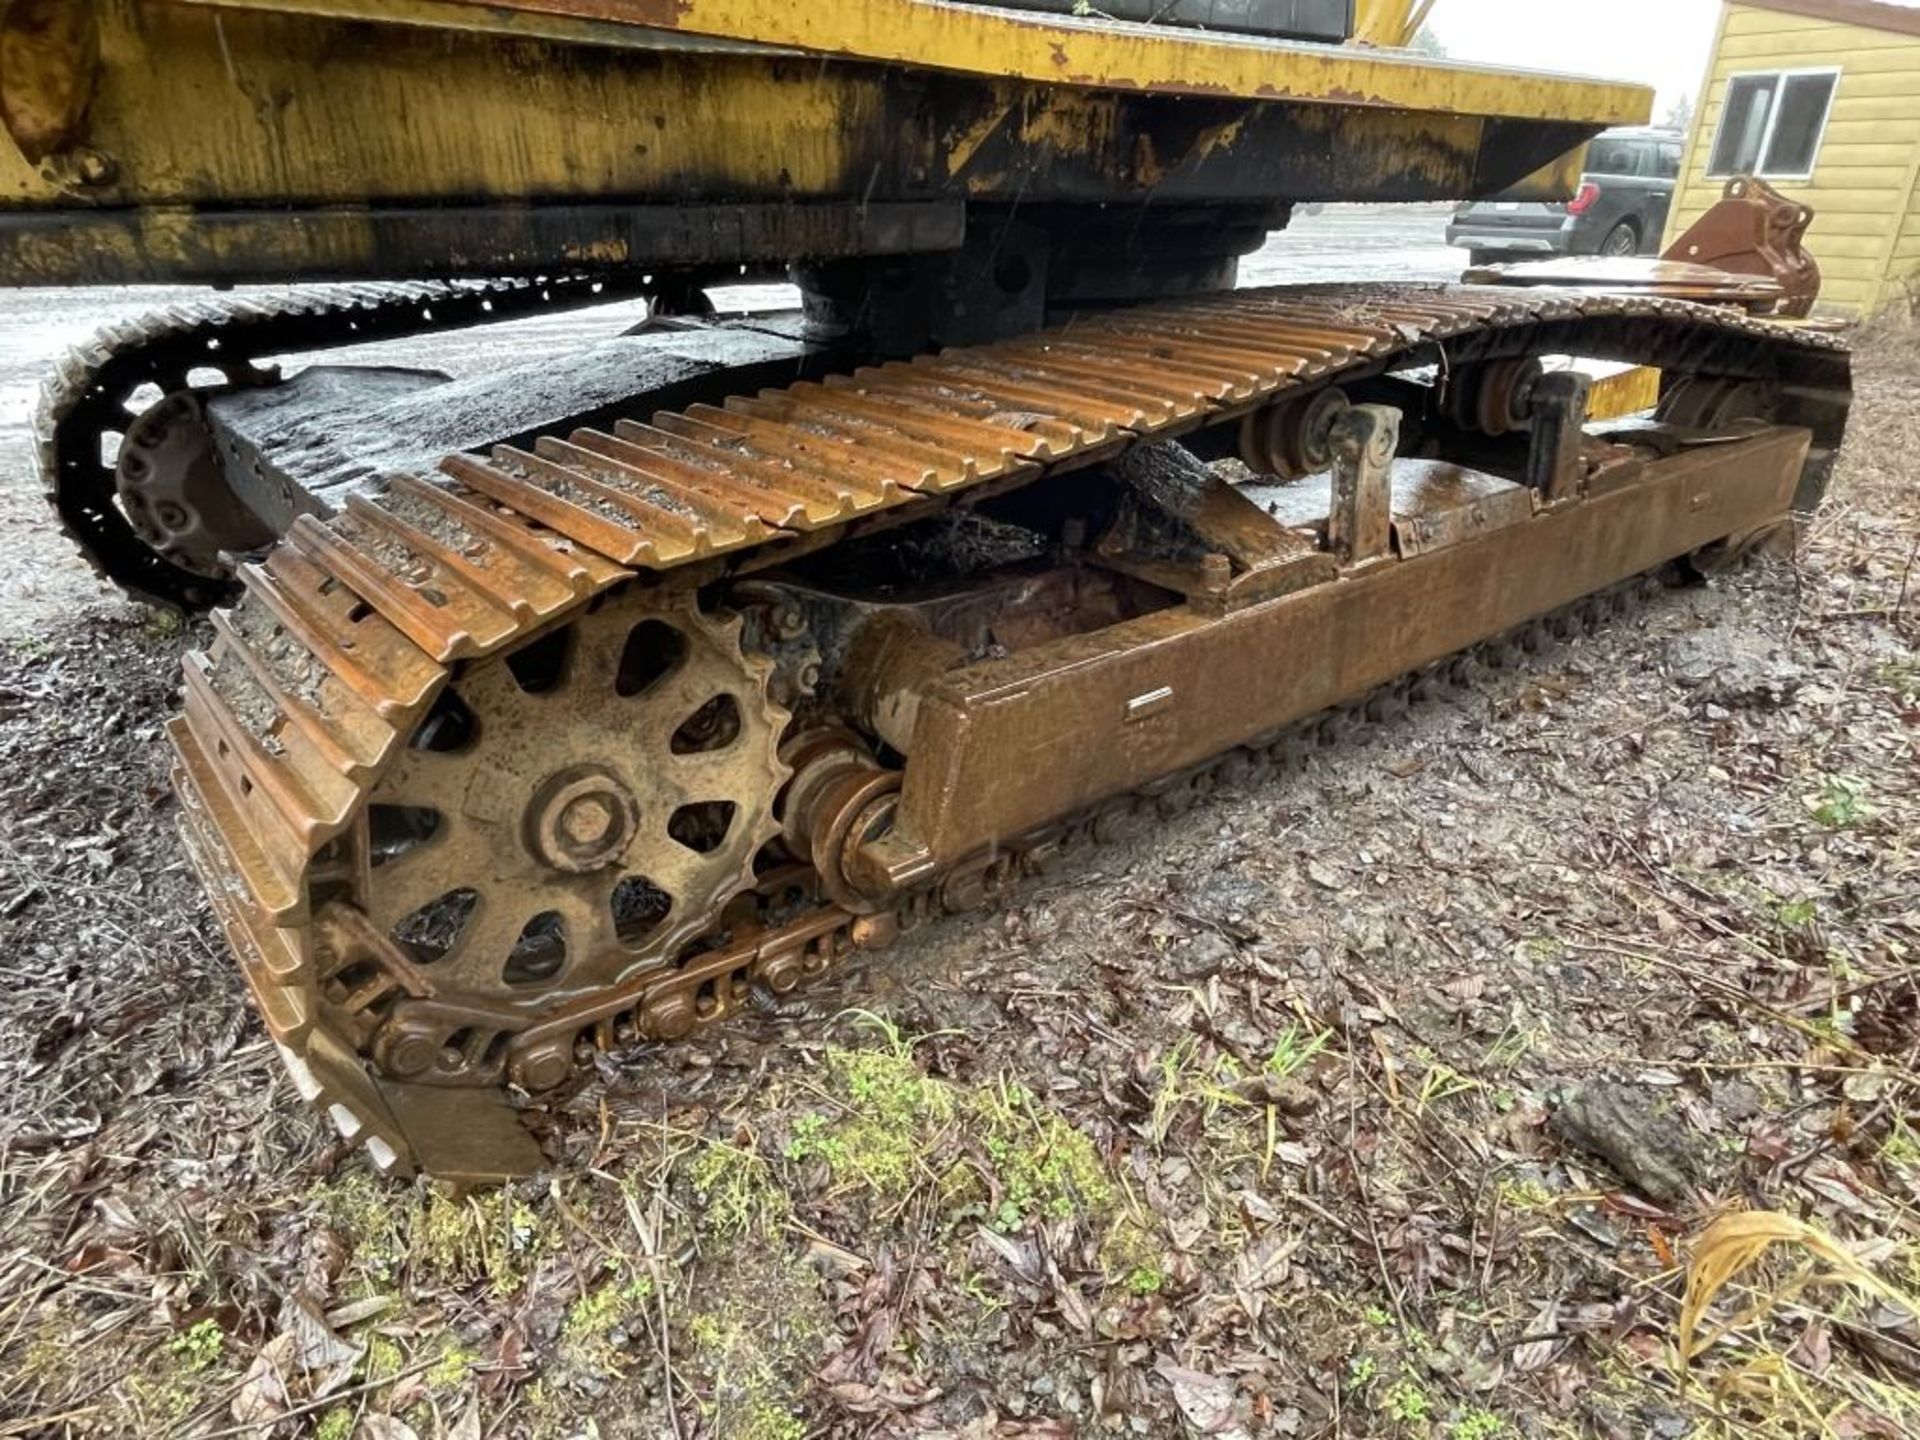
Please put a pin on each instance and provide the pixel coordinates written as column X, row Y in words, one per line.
column 1329, row 20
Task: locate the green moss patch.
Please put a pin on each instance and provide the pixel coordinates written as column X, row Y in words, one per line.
column 993, row 1152
column 427, row 1238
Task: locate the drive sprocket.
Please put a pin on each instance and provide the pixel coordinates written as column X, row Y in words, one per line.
column 571, row 814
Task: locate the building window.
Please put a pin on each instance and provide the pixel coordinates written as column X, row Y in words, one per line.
column 1772, row 124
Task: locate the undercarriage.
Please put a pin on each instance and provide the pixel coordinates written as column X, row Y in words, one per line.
column 575, row 745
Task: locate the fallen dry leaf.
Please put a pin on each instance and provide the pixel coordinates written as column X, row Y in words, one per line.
column 1210, row 1404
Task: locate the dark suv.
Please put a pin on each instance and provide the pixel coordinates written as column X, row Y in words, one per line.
column 1621, row 208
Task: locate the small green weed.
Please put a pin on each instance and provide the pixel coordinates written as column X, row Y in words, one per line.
column 736, row 1190
column 1523, row 1195
column 1509, row 1048
column 1902, row 1146
column 199, row 1346
column 1795, row 914
column 492, row 1237
column 1841, row 802
column 1477, row 1425
column 1295, row 1050
column 1046, row 1166
column 1145, row 1280
column 1187, row 1079
column 384, row 1359
column 589, row 1336
column 163, row 625
column 1441, row 1082
column 451, row 1368
column 428, row 1236
column 161, row 1403
column 1407, row 1403
column 892, row 1117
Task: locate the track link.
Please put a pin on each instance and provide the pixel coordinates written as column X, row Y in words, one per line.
column 348, row 630
column 85, row 401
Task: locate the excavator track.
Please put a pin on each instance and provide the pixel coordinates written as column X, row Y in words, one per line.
column 329, row 682
column 87, row 403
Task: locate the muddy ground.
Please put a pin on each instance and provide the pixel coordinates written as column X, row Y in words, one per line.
column 1390, row 1097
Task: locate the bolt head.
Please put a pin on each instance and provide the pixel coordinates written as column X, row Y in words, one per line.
column 411, row 1055
column 670, row 1018
column 580, row 820
column 587, row 819
column 782, row 973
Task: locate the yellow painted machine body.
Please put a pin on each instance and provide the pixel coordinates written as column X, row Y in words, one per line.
column 222, row 140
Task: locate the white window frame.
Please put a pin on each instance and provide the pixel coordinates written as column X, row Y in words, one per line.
column 1773, row 120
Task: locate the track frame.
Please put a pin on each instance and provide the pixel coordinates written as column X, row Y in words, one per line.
column 348, row 630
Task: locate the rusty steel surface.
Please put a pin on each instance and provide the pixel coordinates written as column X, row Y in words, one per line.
column 1433, row 504
column 619, row 799
column 1337, row 642
column 1186, row 530
column 1676, row 280
column 334, row 677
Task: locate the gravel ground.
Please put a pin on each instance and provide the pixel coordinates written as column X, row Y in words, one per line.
column 1404, row 1095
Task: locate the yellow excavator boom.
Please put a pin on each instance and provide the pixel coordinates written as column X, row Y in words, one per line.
column 1390, row 22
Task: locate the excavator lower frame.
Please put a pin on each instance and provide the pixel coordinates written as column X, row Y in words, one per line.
column 1197, row 626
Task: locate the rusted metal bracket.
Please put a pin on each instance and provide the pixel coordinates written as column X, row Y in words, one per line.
column 1360, row 524
column 1558, row 412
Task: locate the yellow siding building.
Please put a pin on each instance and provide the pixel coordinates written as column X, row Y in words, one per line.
column 1821, row 98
